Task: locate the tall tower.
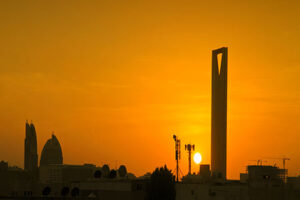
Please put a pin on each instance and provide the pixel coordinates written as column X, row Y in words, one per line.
column 31, row 156
column 219, row 114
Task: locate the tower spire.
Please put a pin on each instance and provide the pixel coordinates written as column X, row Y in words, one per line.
column 219, row 113
column 30, row 148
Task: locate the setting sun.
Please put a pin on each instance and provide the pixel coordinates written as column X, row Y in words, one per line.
column 197, row 158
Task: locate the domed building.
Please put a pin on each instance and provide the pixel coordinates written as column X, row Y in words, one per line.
column 51, row 153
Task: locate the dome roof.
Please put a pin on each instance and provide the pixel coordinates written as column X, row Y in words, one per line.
column 52, row 153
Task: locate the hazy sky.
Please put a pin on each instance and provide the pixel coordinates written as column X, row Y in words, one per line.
column 116, row 79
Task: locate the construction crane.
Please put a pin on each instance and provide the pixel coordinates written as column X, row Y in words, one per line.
column 189, row 148
column 284, row 159
column 284, row 170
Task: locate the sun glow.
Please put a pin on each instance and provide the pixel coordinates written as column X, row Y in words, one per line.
column 197, row 158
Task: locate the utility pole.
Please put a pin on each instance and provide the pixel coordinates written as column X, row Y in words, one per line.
column 177, row 155
column 189, row 148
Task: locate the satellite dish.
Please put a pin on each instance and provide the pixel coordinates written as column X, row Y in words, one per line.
column 92, row 195
column 122, row 171
column 105, row 171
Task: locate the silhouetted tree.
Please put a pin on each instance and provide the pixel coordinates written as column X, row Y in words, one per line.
column 113, row 174
column 162, row 184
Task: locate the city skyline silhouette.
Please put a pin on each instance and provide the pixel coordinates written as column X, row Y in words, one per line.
column 114, row 82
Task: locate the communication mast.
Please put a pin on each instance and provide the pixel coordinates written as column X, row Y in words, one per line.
column 189, row 148
column 177, row 155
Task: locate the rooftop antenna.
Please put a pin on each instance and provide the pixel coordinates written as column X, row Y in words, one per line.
column 177, row 155
column 189, row 148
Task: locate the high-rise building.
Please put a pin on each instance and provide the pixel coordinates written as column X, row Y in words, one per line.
column 31, row 156
column 219, row 113
column 51, row 153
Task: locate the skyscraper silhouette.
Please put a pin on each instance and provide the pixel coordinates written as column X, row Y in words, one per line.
column 31, row 156
column 219, row 114
column 51, row 153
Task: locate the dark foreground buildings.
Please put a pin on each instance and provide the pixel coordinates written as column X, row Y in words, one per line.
column 53, row 179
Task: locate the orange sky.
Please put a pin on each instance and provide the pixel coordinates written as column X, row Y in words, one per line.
column 115, row 79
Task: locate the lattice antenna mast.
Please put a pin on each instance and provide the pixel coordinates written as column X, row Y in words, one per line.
column 189, row 148
column 177, row 155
